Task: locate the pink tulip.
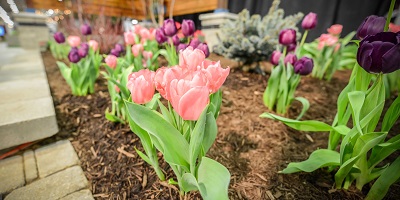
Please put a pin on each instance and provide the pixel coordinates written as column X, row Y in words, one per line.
column 136, row 49
column 111, row 61
column 163, row 78
column 188, row 101
column 74, row 41
column 152, row 34
column 215, row 75
column 191, row 58
column 93, row 44
column 335, row 29
column 147, row 55
column 137, row 28
column 144, row 33
column 327, row 40
column 129, row 38
column 141, row 86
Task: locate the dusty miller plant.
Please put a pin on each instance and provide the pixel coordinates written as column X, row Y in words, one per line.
column 252, row 38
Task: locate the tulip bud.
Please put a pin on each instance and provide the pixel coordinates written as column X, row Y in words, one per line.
column 204, row 47
column 83, row 52
column 111, row 61
column 291, row 47
column 136, row 49
column 86, row 30
column 371, row 26
column 379, row 53
column 309, row 21
column 188, row 27
column 290, row 58
column 129, row 38
column 160, row 36
column 304, row 66
column 194, row 43
column 85, row 46
column 175, row 40
column 335, row 29
column 169, row 27
column 275, row 57
column 181, row 46
column 119, row 48
column 73, row 55
column 93, row 44
column 141, row 86
column 74, row 41
column 147, row 55
column 287, row 37
column 115, row 52
column 59, row 37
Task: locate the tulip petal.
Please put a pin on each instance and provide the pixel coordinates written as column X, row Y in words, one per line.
column 193, row 103
column 391, row 59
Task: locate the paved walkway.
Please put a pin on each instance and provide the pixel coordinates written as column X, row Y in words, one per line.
column 27, row 114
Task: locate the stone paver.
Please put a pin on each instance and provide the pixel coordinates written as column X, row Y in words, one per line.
column 11, row 174
column 55, row 186
column 30, row 166
column 81, row 195
column 55, row 157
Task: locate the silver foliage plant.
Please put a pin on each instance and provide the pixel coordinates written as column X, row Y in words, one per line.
column 252, row 38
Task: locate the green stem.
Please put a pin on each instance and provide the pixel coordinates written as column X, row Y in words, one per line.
column 303, row 39
column 389, row 17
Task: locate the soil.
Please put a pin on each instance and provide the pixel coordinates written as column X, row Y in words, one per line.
column 253, row 149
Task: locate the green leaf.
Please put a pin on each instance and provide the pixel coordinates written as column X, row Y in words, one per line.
column 318, row 159
column 348, row 38
column 391, row 116
column 196, row 139
column 143, row 156
column 382, row 184
column 189, row 182
column 383, row 150
column 306, row 106
column 210, row 133
column 271, row 91
column 308, row 125
column 356, row 99
column 213, row 180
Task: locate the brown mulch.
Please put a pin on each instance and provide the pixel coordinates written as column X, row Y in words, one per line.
column 252, row 148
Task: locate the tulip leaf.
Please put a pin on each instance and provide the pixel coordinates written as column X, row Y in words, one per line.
column 383, row 150
column 306, row 106
column 356, row 99
column 213, row 180
column 196, row 138
column 143, row 156
column 189, row 183
column 173, row 144
column 308, row 125
column 391, row 115
column 272, row 89
column 375, row 96
column 318, row 159
column 210, row 133
column 348, row 38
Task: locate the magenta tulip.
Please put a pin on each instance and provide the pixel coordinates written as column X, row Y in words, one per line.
column 204, row 47
column 59, row 37
column 304, row 66
column 73, row 55
column 290, row 58
column 194, row 42
column 188, row 27
column 275, row 57
column 169, row 27
column 86, row 30
column 141, row 86
column 160, row 36
column 309, row 21
column 287, row 37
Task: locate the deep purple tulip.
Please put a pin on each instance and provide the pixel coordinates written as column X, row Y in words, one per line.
column 181, row 46
column 309, row 21
column 275, row 56
column 204, row 47
column 59, row 37
column 194, row 43
column 83, row 52
column 287, row 37
column 169, row 27
column 160, row 36
column 73, row 55
column 176, row 40
column 119, row 48
column 304, row 66
column 291, row 47
column 86, row 30
column 115, row 52
column 290, row 58
column 380, row 53
column 188, row 27
column 371, row 26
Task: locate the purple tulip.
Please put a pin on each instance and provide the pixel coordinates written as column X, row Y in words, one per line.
column 304, row 66
column 181, row 46
column 371, row 26
column 309, row 21
column 275, row 56
column 83, row 52
column 115, row 52
column 86, row 30
column 188, row 27
column 194, row 43
column 287, row 37
column 380, row 53
column 73, row 55
column 290, row 58
column 119, row 48
column 204, row 47
column 169, row 27
column 160, row 36
column 291, row 47
column 176, row 40
column 85, row 46
column 59, row 37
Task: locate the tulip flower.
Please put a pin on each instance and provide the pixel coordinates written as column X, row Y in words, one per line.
column 73, row 55
column 275, row 57
column 83, row 51
column 327, row 40
column 291, row 47
column 74, row 41
column 379, row 53
column 371, row 26
column 188, row 27
column 119, row 47
column 147, row 55
column 309, row 21
column 85, row 45
column 163, row 78
column 215, row 75
column 287, row 37
column 194, row 42
column 393, row 28
column 93, row 44
column 136, row 49
column 59, row 37
column 160, row 36
column 175, row 40
column 144, row 33
column 304, row 66
column 181, row 46
column 86, row 30
column 191, row 58
column 129, row 38
column 141, row 86
column 111, row 61
column 204, row 47
column 169, row 27
column 290, row 58
column 115, row 52
column 335, row 29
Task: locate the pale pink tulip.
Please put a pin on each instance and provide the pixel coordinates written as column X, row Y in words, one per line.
column 163, row 78
column 137, row 28
column 335, row 29
column 144, row 33
column 129, row 38
column 188, row 101
column 215, row 75
column 327, row 40
column 136, row 49
column 147, row 55
column 93, row 44
column 191, row 58
column 111, row 61
column 141, row 86
column 152, row 34
column 74, row 41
